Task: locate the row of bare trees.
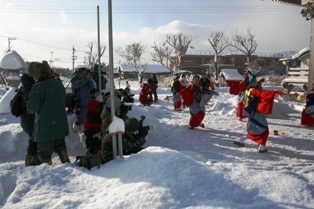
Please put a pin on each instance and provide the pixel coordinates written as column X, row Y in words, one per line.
column 178, row 45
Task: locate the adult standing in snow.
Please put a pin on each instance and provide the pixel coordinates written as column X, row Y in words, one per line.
column 27, row 119
column 47, row 101
column 153, row 85
column 82, row 85
column 257, row 104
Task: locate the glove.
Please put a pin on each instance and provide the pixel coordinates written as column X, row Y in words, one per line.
column 262, row 80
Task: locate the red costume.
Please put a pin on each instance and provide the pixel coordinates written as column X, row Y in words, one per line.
column 145, row 91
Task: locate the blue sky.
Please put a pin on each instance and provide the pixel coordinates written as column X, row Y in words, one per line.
column 45, row 26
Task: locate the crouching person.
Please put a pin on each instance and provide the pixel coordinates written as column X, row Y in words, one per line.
column 92, row 126
column 133, row 139
column 47, row 101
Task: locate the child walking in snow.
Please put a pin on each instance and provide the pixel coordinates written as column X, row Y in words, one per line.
column 257, row 103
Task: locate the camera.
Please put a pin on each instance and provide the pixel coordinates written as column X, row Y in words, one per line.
column 141, row 119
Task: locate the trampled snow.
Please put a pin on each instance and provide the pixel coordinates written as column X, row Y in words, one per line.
column 179, row 168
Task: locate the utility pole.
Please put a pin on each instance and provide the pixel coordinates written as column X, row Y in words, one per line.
column 73, row 58
column 51, row 60
column 10, row 39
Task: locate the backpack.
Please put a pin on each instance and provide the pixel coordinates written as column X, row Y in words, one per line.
column 16, row 104
column 88, row 161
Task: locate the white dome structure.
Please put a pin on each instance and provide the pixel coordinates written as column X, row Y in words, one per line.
column 10, row 66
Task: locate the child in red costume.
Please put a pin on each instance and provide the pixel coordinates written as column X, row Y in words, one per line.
column 177, row 87
column 193, row 97
column 257, row 104
column 144, row 95
column 92, row 126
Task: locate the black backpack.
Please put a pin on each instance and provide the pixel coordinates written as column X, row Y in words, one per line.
column 88, row 161
column 16, row 104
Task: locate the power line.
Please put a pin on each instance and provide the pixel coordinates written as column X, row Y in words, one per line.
column 144, row 9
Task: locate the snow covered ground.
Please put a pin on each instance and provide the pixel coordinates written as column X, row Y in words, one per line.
column 180, row 168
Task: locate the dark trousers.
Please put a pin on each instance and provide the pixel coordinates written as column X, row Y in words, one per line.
column 46, row 149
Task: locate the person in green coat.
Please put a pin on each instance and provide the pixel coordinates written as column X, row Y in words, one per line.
column 47, row 101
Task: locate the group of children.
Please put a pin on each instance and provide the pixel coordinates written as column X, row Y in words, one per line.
column 255, row 103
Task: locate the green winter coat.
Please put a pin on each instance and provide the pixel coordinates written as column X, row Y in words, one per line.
column 47, row 100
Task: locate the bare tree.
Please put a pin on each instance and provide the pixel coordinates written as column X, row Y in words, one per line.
column 245, row 43
column 133, row 54
column 161, row 54
column 92, row 55
column 219, row 42
column 180, row 43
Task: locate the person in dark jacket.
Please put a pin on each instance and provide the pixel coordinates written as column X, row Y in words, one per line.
column 153, row 85
column 47, row 101
column 27, row 120
column 133, row 140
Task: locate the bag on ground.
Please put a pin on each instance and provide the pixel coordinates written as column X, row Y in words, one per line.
column 88, row 161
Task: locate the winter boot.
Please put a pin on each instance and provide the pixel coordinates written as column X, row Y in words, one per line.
column 28, row 160
column 31, row 160
column 64, row 157
column 47, row 160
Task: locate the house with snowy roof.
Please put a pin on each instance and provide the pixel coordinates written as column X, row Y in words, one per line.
column 128, row 71
column 297, row 70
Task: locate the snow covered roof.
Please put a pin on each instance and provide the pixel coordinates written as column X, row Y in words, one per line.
column 12, row 61
column 231, row 75
column 300, row 53
column 149, row 68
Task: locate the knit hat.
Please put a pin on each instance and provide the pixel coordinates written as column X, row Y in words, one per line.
column 117, row 102
column 132, row 124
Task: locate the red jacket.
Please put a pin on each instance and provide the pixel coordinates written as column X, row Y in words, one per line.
column 91, row 110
